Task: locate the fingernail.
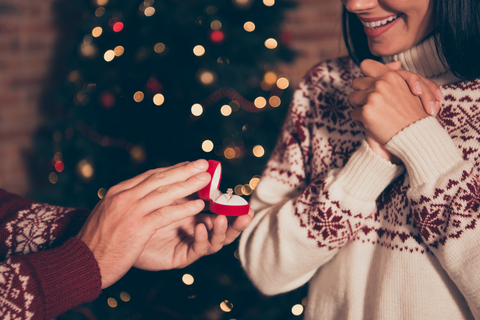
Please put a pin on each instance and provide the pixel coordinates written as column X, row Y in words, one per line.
column 418, row 88
column 199, row 203
column 439, row 95
column 200, row 164
column 432, row 108
column 202, row 176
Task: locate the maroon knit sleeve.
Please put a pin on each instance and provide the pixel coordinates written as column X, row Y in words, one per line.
column 45, row 284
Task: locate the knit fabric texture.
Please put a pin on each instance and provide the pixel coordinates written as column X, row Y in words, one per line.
column 373, row 239
column 45, row 271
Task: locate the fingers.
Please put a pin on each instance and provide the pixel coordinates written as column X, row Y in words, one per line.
column 167, row 215
column 218, row 233
column 374, row 69
column 428, row 91
column 200, row 244
column 362, row 83
column 169, row 177
column 396, row 65
column 237, row 226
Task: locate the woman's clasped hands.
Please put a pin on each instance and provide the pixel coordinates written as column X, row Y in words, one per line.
column 388, row 99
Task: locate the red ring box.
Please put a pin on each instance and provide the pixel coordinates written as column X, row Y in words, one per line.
column 221, row 203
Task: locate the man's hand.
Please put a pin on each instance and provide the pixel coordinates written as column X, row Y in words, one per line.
column 132, row 212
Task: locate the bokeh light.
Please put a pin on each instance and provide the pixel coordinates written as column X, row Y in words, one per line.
column 197, row 109
column 283, row 83
column 119, row 50
column 226, row 110
column 97, row 32
column 198, row 50
column 85, row 169
column 258, row 151
column 260, row 102
column 271, row 43
column 149, row 11
column 101, row 193
column 207, row 77
column 101, row 3
column 207, row 146
column 125, row 296
column 297, row 309
column 53, row 178
column 117, row 26
column 229, row 153
column 112, row 303
column 270, row 77
column 269, row 3
column 159, row 47
column 215, row 25
column 109, row 55
column 188, row 279
column 254, row 182
column 138, row 96
column 158, row 99
column 226, row 306
column 99, row 12
column 274, row 101
column 249, row 26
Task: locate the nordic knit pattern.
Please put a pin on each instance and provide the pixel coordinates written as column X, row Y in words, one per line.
column 374, row 240
column 44, row 272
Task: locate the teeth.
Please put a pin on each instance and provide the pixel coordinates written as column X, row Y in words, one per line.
column 376, row 24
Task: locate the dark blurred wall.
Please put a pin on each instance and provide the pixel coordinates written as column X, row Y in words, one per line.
column 27, row 38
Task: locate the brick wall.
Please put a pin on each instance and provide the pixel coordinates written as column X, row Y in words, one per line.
column 26, row 45
column 27, row 38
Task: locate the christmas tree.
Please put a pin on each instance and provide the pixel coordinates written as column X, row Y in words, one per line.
column 146, row 84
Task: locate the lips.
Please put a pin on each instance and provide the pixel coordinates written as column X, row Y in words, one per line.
column 375, row 27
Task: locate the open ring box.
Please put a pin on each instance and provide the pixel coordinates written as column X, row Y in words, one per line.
column 226, row 204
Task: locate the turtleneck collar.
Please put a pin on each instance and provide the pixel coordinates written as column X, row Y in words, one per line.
column 424, row 60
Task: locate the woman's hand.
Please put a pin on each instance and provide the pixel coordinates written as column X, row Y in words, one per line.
column 187, row 240
column 388, row 100
column 137, row 210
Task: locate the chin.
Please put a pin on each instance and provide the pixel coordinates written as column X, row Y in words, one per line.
column 382, row 51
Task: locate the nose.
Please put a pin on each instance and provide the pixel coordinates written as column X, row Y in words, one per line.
column 357, row 6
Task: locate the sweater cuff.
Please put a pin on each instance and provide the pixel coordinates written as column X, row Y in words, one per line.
column 68, row 275
column 426, row 149
column 366, row 174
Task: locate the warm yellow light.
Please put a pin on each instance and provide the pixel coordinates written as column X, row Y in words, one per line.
column 215, row 25
column 238, row 190
column 258, row 151
column 119, row 50
column 187, row 279
column 283, row 83
column 138, row 96
column 297, row 309
column 271, row 43
column 198, row 50
column 229, row 153
column 85, row 169
column 226, row 110
column 197, row 109
column 270, row 77
column 247, row 190
column 304, row 301
column 159, row 47
column 249, row 26
column 206, row 77
column 269, row 3
column 97, row 32
column 112, row 303
column 101, row 3
column 99, row 12
column 226, row 306
column 149, row 11
column 158, row 99
column 53, row 178
column 101, row 193
column 254, row 182
column 125, row 296
column 109, row 55
column 207, row 146
column 138, row 154
column 260, row 102
column 274, row 101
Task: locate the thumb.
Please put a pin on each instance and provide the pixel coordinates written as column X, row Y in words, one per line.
column 394, row 65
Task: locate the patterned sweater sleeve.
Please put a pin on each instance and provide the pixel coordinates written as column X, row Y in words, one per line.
column 44, row 270
column 444, row 194
column 305, row 215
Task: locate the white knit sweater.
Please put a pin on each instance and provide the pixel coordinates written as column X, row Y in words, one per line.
column 374, row 240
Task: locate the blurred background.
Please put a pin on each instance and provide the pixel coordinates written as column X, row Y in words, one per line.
column 93, row 92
